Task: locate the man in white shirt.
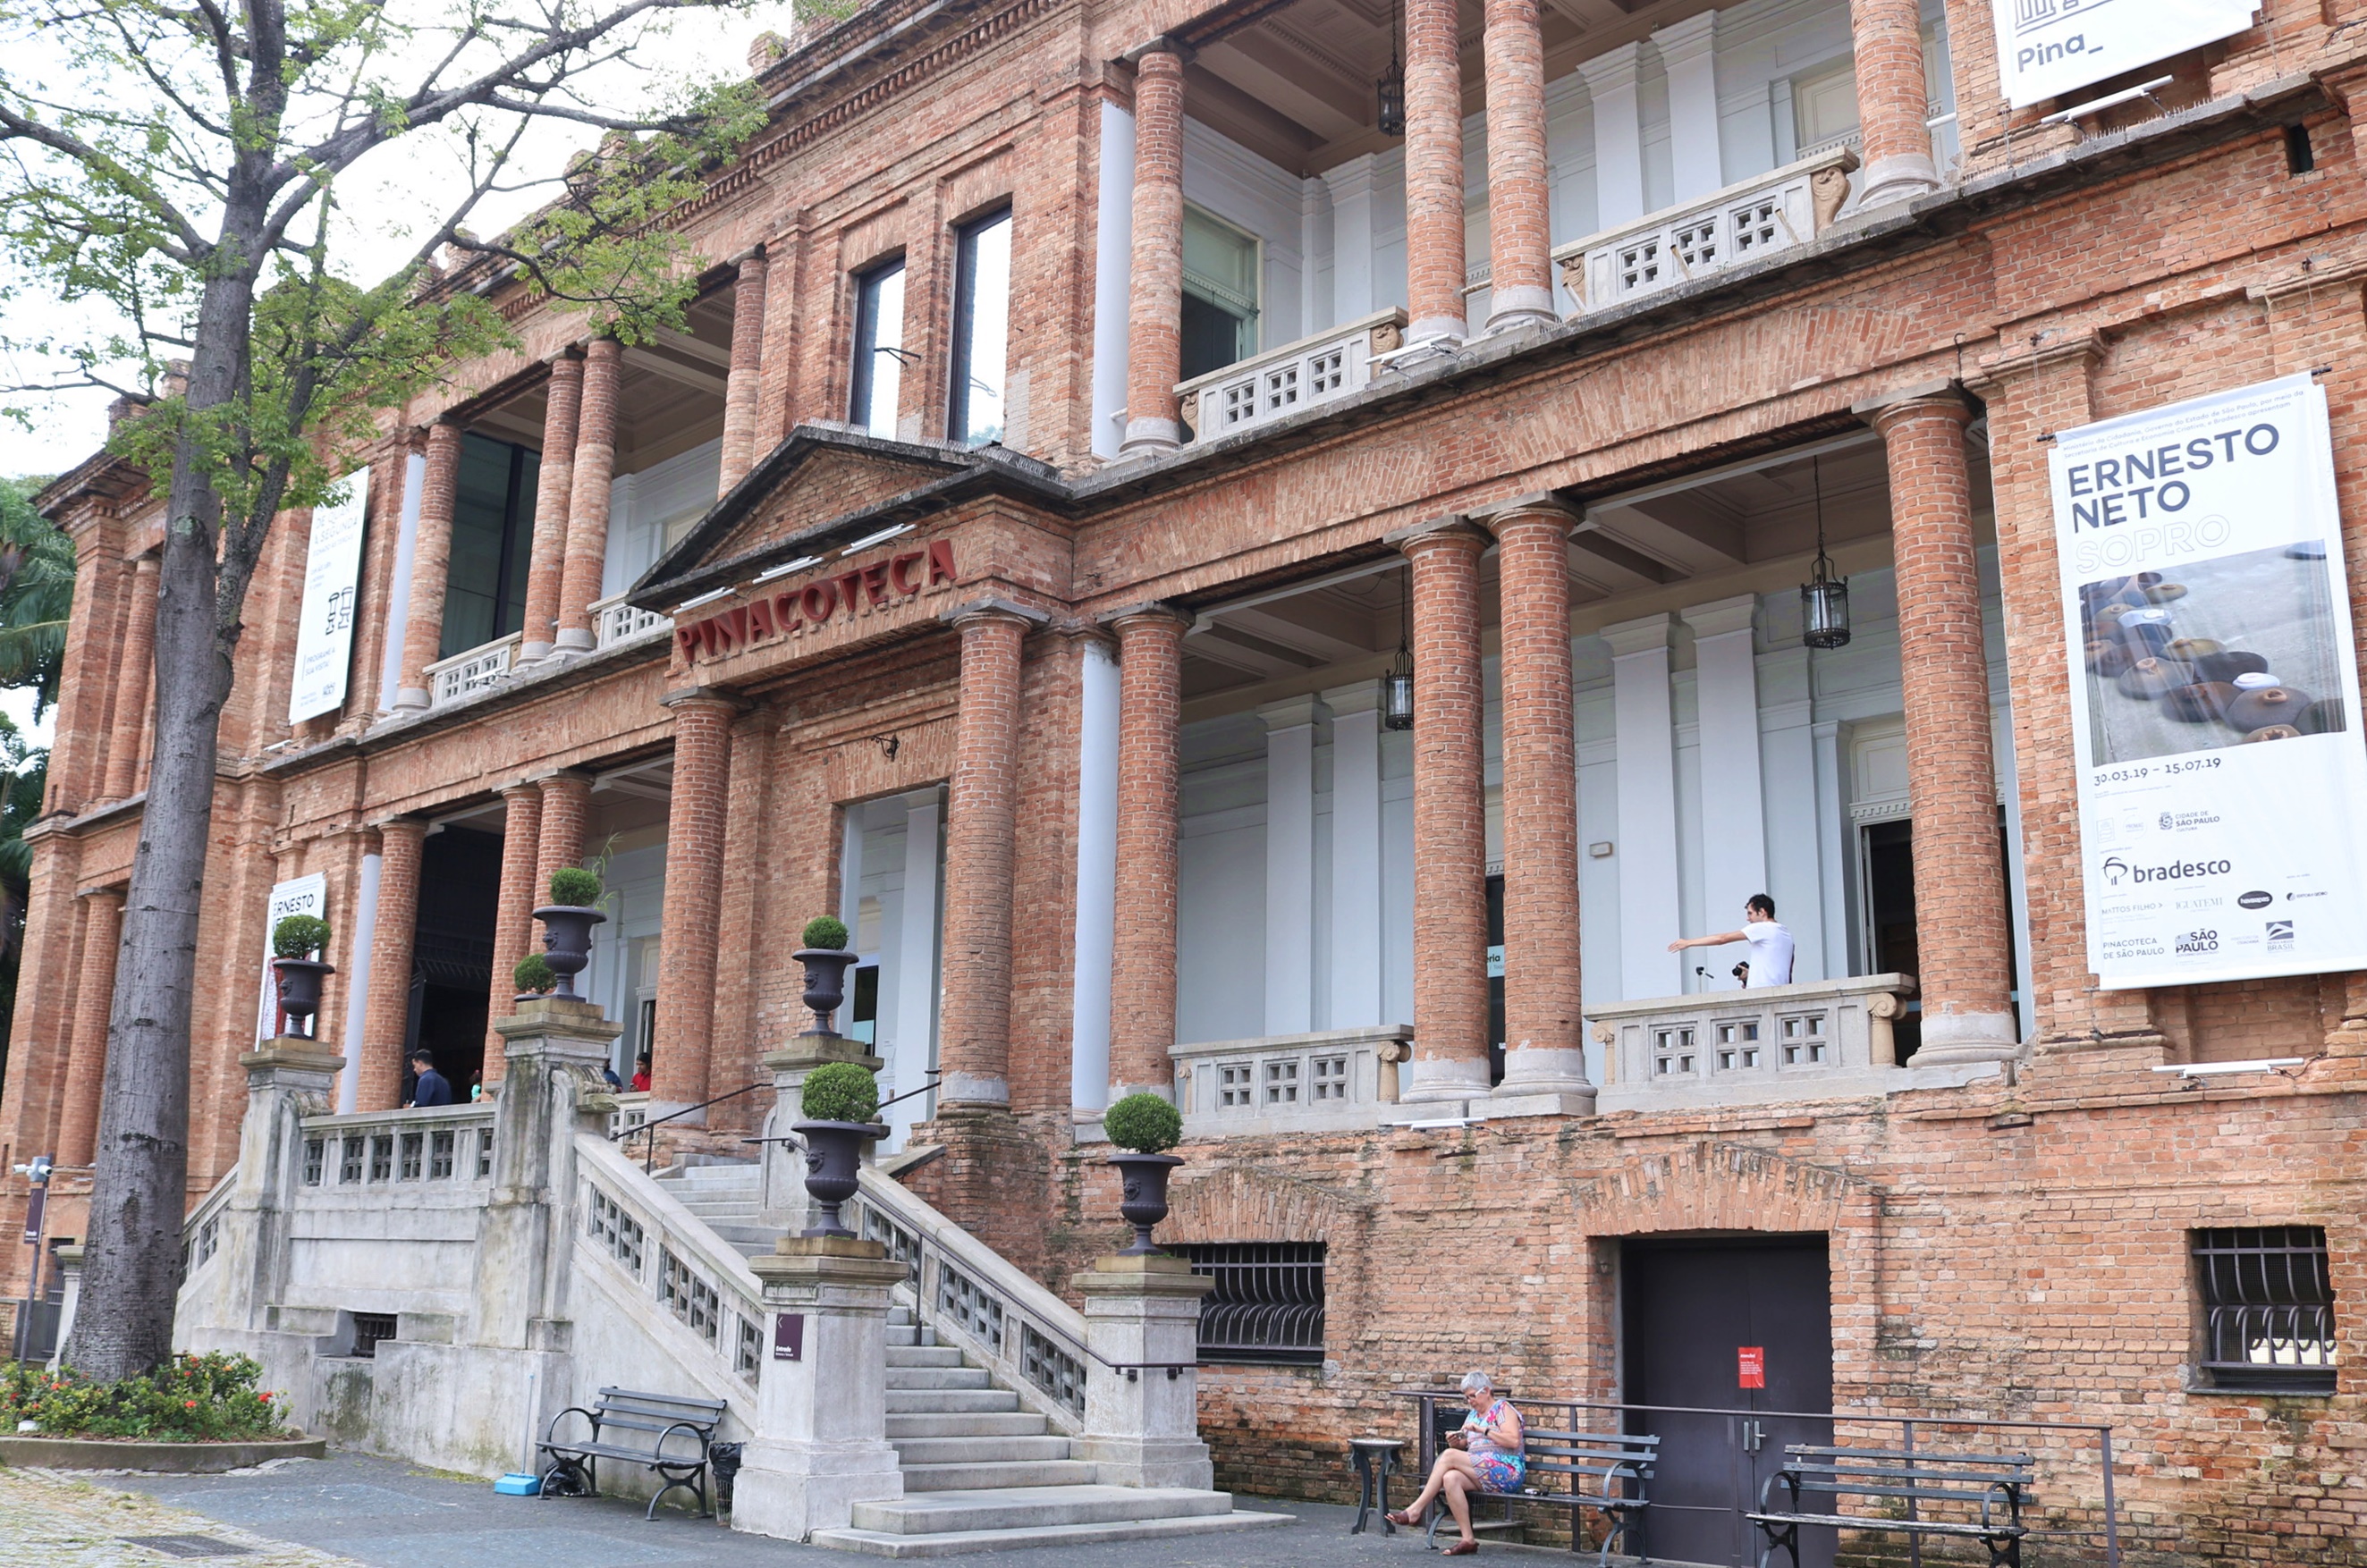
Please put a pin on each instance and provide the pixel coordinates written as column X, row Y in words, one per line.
column 1770, row 946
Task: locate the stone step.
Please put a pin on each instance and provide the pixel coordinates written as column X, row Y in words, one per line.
column 937, row 1378
column 898, row 1316
column 972, row 1401
column 1012, row 1507
column 880, row 1544
column 987, row 1424
column 924, row 1356
column 993, row 1475
column 971, row 1450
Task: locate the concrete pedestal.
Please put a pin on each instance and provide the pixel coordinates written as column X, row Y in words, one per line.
column 785, row 1201
column 820, row 1443
column 1143, row 1429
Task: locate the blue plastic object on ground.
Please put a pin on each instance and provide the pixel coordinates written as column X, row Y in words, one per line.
column 516, row 1485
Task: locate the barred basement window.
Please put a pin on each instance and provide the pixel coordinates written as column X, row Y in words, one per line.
column 369, row 1327
column 1268, row 1304
column 2268, row 1305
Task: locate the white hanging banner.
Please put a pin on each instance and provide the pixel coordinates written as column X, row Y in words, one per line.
column 2047, row 48
column 332, row 574
column 2223, row 786
column 302, row 895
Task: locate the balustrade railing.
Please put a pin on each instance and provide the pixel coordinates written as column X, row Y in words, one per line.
column 1282, row 382
column 201, row 1232
column 641, row 1233
column 614, row 621
column 1819, row 1038
column 1289, row 1083
column 451, row 678
column 450, row 1145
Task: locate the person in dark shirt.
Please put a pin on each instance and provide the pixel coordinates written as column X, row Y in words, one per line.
column 428, row 1088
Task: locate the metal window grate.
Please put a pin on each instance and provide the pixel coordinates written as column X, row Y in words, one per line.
column 2268, row 1304
column 1268, row 1304
column 369, row 1327
column 315, row 1160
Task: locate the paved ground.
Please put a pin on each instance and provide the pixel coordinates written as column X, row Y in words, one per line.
column 349, row 1509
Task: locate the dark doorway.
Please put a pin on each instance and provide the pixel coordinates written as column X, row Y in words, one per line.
column 452, row 951
column 1890, row 916
column 1692, row 1311
column 1495, row 980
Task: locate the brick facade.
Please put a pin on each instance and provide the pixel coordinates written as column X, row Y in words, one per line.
column 2012, row 1246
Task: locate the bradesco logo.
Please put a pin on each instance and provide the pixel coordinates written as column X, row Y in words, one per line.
column 2117, row 871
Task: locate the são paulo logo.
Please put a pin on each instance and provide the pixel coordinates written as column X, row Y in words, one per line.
column 2117, row 871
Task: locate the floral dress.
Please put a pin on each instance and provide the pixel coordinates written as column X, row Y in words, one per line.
column 1501, row 1469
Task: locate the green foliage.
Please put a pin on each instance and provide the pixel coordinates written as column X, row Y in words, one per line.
column 1144, row 1122
column 825, row 931
column 24, row 784
column 37, row 580
column 299, row 936
column 839, row 1091
column 532, row 972
column 203, row 1398
column 574, row 887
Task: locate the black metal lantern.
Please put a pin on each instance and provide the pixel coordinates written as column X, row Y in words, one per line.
column 1397, row 686
column 1391, row 85
column 1824, row 598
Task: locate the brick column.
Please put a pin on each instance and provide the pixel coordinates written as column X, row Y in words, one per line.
column 694, row 893
column 1450, row 817
column 974, row 1014
column 431, row 559
column 747, row 366
column 1544, row 1032
column 102, row 931
column 1519, row 226
column 561, row 415
column 1433, row 157
column 566, row 812
column 1142, row 950
column 1893, row 101
column 522, row 889
column 135, row 671
column 387, row 1020
column 1962, row 937
column 1154, row 314
column 587, row 498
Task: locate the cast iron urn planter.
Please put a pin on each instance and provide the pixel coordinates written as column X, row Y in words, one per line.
column 825, row 982
column 567, row 941
column 1145, row 1202
column 300, row 990
column 833, row 1155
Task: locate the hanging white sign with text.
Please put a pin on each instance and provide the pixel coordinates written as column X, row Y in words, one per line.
column 2215, row 695
column 302, row 895
column 2047, row 48
column 332, row 575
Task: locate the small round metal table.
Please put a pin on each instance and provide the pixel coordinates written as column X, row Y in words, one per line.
column 1375, row 1459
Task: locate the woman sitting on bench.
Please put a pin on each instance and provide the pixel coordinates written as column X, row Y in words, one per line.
column 1486, row 1455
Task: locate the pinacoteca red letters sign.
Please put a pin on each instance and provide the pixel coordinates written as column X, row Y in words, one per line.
column 794, row 610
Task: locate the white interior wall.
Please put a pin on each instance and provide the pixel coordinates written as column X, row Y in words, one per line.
column 1224, row 178
column 641, row 505
column 635, row 888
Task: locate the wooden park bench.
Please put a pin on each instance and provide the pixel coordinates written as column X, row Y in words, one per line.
column 634, row 1427
column 1983, row 1495
column 1608, row 1471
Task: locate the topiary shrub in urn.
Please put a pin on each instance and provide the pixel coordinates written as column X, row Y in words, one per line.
column 838, row 1100
column 296, row 943
column 822, row 951
column 567, row 922
column 533, row 977
column 1146, row 1125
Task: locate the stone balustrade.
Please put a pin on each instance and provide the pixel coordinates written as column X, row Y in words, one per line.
column 448, row 1145
column 613, row 622
column 1282, row 382
column 449, row 679
column 664, row 1264
column 1289, row 1083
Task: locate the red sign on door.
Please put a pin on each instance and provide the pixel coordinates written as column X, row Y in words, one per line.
column 1750, row 1366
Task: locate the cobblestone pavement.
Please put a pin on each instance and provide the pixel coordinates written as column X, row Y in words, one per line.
column 60, row 1520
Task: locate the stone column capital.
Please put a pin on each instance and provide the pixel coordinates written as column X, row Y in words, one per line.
column 1645, row 634
column 1722, row 617
column 1453, row 531
column 1161, row 54
column 1942, row 398
column 1291, row 712
column 1541, row 507
column 1688, row 39
column 291, row 1062
column 1132, row 617
column 708, row 698
column 2001, row 369
column 570, row 357
column 99, row 895
column 994, row 608
column 412, row 830
column 1612, row 69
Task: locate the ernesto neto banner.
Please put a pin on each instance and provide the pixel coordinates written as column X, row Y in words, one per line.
column 2223, row 782
column 2046, row 48
column 332, row 574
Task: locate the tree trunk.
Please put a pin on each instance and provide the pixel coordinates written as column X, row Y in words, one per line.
column 139, row 1196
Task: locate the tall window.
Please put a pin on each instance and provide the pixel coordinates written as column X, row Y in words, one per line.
column 492, row 533
column 982, row 331
column 2268, row 1305
column 879, row 349
column 1220, row 293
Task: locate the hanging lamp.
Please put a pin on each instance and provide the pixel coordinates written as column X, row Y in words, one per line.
column 1391, row 86
column 1824, row 598
column 1397, row 686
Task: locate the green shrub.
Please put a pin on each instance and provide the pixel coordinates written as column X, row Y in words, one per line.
column 299, row 936
column 1144, row 1122
column 575, row 887
column 189, row 1399
column 839, row 1091
column 826, row 930
column 533, row 973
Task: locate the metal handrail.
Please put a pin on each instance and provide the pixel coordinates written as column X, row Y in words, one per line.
column 650, row 1155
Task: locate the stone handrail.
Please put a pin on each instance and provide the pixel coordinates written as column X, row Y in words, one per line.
column 1817, row 1039
column 1289, row 1083
column 471, row 670
column 975, row 1298
column 370, row 1149
column 672, row 1259
column 1775, row 212
column 1284, row 381
column 201, row 1232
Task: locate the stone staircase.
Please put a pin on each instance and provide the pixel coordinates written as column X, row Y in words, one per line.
column 982, row 1471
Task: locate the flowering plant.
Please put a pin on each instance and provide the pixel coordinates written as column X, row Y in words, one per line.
column 189, row 1399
